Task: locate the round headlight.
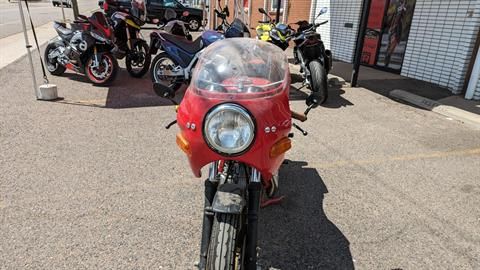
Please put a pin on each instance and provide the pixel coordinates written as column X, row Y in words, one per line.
column 229, row 129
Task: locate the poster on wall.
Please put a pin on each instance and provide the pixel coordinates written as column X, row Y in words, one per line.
column 373, row 32
column 396, row 27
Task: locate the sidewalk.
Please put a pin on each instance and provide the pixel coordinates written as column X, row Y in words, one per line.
column 13, row 47
column 383, row 82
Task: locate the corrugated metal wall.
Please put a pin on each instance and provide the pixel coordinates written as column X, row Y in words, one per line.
column 476, row 95
column 441, row 41
column 337, row 35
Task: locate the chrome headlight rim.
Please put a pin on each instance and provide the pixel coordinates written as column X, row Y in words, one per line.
column 238, row 108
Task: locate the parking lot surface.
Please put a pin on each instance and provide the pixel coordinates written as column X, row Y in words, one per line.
column 96, row 182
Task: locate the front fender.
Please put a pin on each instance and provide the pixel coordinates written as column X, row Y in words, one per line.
column 228, row 199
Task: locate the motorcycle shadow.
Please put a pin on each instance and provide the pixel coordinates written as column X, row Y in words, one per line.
column 128, row 92
column 335, row 99
column 297, row 234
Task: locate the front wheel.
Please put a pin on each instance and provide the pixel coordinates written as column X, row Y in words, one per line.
column 103, row 72
column 162, row 67
column 319, row 80
column 53, row 66
column 224, row 252
column 138, row 59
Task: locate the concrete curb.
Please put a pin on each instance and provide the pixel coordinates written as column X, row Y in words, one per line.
column 468, row 118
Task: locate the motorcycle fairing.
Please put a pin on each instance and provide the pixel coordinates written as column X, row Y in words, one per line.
column 268, row 112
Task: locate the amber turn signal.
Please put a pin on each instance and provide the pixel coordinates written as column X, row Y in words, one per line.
column 183, row 144
column 280, row 147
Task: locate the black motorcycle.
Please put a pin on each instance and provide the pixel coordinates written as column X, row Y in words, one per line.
column 315, row 61
column 85, row 48
column 130, row 43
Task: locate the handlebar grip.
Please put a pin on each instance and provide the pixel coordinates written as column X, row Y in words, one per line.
column 300, row 117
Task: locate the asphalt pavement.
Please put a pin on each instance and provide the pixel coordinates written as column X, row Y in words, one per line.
column 96, row 182
column 42, row 12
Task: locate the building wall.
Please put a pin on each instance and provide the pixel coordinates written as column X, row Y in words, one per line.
column 340, row 34
column 476, row 95
column 441, row 41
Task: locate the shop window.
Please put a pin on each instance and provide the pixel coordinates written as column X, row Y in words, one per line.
column 273, row 5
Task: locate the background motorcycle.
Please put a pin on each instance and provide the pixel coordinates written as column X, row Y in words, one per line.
column 129, row 41
column 172, row 25
column 173, row 66
column 85, row 49
column 236, row 29
column 235, row 118
column 279, row 34
column 315, row 62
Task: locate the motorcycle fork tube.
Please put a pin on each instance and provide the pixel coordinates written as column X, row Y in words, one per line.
column 95, row 57
column 210, row 188
column 254, row 192
column 128, row 38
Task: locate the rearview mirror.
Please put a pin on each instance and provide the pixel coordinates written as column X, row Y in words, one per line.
column 163, row 90
column 262, row 10
column 323, row 11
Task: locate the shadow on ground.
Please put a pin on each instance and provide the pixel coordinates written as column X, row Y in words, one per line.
column 124, row 92
column 297, row 234
column 335, row 99
column 129, row 92
column 383, row 82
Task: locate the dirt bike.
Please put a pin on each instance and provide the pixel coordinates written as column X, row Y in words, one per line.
column 315, row 61
column 129, row 41
column 235, row 118
column 85, row 48
column 279, row 34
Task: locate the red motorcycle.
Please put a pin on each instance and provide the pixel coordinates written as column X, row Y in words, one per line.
column 235, row 118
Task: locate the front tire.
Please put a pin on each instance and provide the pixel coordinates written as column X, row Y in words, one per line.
column 163, row 62
column 138, row 59
column 105, row 73
column 223, row 242
column 53, row 66
column 319, row 80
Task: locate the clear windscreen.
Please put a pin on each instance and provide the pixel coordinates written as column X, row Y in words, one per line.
column 241, row 66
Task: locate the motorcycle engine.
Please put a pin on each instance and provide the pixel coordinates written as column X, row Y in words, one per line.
column 72, row 53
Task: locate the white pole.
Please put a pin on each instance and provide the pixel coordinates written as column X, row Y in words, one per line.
column 63, row 11
column 27, row 43
column 472, row 83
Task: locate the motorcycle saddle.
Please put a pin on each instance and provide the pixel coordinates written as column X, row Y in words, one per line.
column 62, row 30
column 191, row 47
